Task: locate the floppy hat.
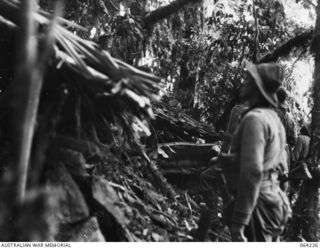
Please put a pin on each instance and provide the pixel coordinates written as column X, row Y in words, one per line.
column 268, row 77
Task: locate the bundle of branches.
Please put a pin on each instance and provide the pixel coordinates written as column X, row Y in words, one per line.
column 172, row 124
column 101, row 90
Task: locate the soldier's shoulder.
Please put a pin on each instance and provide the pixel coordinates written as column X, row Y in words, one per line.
column 260, row 113
column 303, row 138
column 257, row 115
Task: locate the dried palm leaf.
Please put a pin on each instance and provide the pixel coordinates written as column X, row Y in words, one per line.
column 116, row 90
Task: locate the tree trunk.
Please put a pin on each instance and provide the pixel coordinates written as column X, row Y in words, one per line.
column 308, row 203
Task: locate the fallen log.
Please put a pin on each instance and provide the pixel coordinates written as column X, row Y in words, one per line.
column 182, row 126
column 183, row 172
column 182, row 163
column 186, row 153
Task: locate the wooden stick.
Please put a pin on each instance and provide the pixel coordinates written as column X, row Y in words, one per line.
column 24, row 102
column 186, row 144
column 26, row 91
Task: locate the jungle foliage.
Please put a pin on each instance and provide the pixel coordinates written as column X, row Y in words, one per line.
column 99, row 129
column 198, row 47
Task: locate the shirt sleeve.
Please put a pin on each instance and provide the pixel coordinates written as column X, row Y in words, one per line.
column 292, row 136
column 298, row 149
column 253, row 142
column 233, row 121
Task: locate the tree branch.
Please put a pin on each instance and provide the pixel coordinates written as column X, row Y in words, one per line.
column 101, row 7
column 302, row 40
column 165, row 11
column 311, row 3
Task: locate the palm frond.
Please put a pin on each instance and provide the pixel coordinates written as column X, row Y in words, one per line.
column 127, row 90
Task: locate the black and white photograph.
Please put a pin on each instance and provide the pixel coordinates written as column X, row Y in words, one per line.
column 159, row 121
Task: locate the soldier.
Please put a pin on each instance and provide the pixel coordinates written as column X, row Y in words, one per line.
column 286, row 118
column 300, row 169
column 288, row 123
column 210, row 179
column 261, row 209
column 301, row 149
column 234, row 120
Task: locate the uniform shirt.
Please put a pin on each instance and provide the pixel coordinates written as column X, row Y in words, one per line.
column 289, row 125
column 234, row 121
column 260, row 144
column 235, row 117
column 301, row 149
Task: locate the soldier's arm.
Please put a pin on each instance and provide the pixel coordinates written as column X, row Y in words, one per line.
column 292, row 130
column 298, row 149
column 233, row 121
column 253, row 141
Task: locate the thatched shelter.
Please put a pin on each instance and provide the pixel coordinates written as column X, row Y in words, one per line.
column 88, row 108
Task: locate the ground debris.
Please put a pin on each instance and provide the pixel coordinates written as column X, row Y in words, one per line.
column 151, row 214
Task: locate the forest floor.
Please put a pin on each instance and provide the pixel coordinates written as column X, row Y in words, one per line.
column 128, row 193
column 113, row 199
column 153, row 213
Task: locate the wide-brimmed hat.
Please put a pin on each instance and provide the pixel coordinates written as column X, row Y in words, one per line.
column 268, row 77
